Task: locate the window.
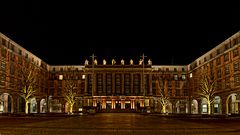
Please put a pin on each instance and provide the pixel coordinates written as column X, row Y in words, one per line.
column 183, row 69
column 227, row 82
column 211, row 56
column 83, row 76
column 205, row 59
column 4, row 42
column 218, row 61
column 204, row 108
column 226, row 58
column 218, row 51
column 177, row 92
column 219, row 73
column 175, row 77
column 60, row 77
column 167, row 69
column 226, row 46
column 183, row 77
column 236, row 66
column 227, row 71
column 20, row 52
column 53, row 69
column 175, row 69
column 191, row 75
column 235, row 52
column 236, row 80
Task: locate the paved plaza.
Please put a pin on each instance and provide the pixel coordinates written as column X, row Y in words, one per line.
column 117, row 124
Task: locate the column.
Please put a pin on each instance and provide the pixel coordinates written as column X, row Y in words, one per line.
column 104, row 85
column 122, row 86
column 86, row 85
column 113, row 103
column 132, row 83
column 141, row 84
column 113, row 84
column 132, row 104
column 123, row 104
column 150, row 85
column 103, row 103
column 94, row 84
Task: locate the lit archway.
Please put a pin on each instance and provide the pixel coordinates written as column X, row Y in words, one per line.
column 232, row 104
column 181, row 106
column 169, row 107
column 43, row 106
column 194, row 107
column 204, row 106
column 6, row 102
column 217, row 105
column 33, row 105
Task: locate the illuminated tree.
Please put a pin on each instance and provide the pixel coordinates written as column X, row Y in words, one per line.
column 29, row 82
column 207, row 89
column 162, row 92
column 71, row 90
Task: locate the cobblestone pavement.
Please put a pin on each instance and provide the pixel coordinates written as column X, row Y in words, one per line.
column 116, row 124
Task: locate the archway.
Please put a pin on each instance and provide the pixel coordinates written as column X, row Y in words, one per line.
column 33, row 105
column 232, row 104
column 194, row 107
column 67, row 107
column 169, row 107
column 21, row 104
column 43, row 106
column 204, row 105
column 181, row 106
column 6, row 102
column 217, row 105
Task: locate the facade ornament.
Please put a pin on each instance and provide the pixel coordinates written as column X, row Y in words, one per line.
column 104, row 62
column 95, row 62
column 86, row 62
column 113, row 62
column 122, row 62
column 131, row 62
column 140, row 62
column 149, row 62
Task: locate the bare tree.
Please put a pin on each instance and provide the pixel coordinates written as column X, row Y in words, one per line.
column 207, row 89
column 29, row 82
column 71, row 90
column 162, row 92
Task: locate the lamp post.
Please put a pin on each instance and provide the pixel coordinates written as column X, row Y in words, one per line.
column 143, row 77
column 93, row 74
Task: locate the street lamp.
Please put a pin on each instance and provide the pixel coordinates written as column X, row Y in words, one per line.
column 93, row 74
column 143, row 77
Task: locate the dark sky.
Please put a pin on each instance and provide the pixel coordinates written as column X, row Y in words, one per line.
column 67, row 32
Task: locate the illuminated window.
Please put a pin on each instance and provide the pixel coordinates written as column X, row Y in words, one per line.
column 175, row 77
column 191, row 75
column 183, row 76
column 60, row 77
column 204, row 108
column 83, row 76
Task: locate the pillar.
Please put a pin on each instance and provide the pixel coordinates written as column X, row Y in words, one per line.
column 113, row 84
column 122, row 86
column 104, row 85
column 132, row 83
column 150, row 85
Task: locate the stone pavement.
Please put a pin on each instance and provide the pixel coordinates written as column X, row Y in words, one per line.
column 116, row 124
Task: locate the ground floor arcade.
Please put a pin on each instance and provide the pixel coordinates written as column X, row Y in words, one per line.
column 227, row 104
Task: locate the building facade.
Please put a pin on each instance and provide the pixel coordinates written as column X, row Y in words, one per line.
column 123, row 86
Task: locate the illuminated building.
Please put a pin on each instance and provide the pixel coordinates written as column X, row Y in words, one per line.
column 126, row 85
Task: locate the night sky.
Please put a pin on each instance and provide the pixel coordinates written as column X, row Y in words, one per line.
column 63, row 33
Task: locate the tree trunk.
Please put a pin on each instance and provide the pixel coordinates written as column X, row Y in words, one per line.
column 71, row 108
column 26, row 106
column 164, row 109
column 209, row 108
